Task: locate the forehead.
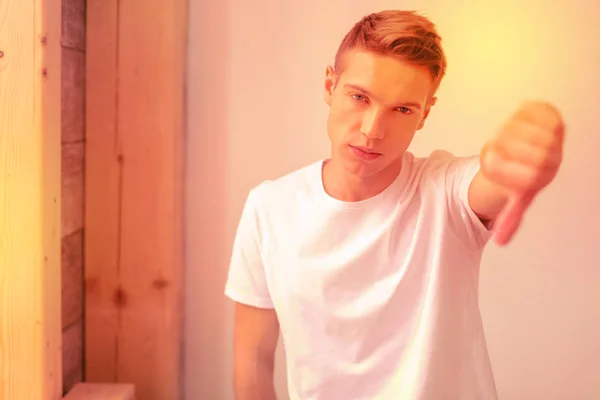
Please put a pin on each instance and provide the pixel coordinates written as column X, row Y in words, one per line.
column 386, row 76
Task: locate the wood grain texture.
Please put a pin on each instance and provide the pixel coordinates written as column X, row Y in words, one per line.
column 72, row 279
column 72, row 183
column 73, row 24
column 134, row 191
column 30, row 72
column 101, row 391
column 72, row 136
column 73, row 93
column 102, row 192
column 72, row 355
column 150, row 122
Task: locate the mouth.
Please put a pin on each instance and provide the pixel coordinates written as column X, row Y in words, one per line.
column 365, row 150
column 365, row 153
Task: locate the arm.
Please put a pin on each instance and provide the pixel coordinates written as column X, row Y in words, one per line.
column 255, row 337
column 486, row 198
column 256, row 327
column 523, row 159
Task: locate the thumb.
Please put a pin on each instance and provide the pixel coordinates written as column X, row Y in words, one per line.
column 510, row 217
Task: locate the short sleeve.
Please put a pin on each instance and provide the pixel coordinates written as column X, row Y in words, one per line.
column 246, row 282
column 460, row 173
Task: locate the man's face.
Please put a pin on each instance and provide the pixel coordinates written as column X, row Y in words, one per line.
column 377, row 103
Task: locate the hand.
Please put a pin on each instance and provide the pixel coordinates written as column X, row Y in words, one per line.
column 523, row 158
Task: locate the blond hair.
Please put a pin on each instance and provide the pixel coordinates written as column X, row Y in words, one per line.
column 405, row 34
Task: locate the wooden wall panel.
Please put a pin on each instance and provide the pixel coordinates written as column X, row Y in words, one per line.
column 102, row 391
column 72, row 188
column 30, row 200
column 72, row 182
column 72, row 280
column 73, row 24
column 102, row 191
column 72, row 357
column 134, row 194
column 73, row 92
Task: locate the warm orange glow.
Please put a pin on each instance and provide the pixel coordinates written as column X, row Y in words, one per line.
column 257, row 97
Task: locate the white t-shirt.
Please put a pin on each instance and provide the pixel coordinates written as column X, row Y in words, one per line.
column 376, row 299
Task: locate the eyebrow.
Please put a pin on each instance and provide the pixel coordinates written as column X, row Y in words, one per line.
column 365, row 91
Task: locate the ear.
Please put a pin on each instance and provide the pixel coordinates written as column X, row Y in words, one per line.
column 330, row 80
column 430, row 104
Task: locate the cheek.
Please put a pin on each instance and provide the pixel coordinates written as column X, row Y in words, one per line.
column 400, row 134
column 342, row 123
column 406, row 126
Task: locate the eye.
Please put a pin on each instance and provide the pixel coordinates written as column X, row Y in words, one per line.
column 358, row 97
column 404, row 110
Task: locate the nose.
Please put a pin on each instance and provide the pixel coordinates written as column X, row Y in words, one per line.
column 372, row 124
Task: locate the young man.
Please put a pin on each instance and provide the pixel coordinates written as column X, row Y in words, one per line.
column 368, row 262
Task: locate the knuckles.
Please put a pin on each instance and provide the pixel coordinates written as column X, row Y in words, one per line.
column 527, row 152
column 530, row 173
column 542, row 113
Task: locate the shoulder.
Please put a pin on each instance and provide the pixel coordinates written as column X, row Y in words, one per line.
column 278, row 193
column 443, row 165
column 439, row 160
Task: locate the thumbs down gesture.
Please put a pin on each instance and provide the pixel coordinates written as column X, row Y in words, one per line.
column 523, row 158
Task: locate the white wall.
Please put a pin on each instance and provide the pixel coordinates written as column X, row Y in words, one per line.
column 256, row 111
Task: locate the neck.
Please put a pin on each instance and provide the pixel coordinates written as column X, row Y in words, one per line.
column 345, row 186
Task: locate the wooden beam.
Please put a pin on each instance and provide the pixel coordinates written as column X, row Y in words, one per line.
column 30, row 170
column 101, row 391
column 72, row 355
column 72, row 279
column 134, row 194
column 102, row 192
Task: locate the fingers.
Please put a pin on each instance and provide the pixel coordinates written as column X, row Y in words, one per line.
column 510, row 219
column 508, row 222
column 528, row 154
column 513, row 175
column 527, row 132
column 543, row 115
column 523, row 158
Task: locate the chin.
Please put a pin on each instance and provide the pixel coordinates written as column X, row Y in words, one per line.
column 361, row 169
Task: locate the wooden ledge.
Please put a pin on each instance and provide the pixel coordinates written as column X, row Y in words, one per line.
column 101, row 391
